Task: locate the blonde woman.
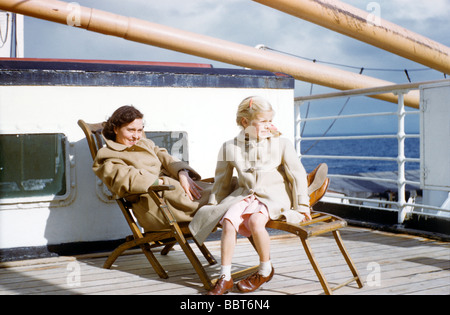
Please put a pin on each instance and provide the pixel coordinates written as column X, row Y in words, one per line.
column 271, row 184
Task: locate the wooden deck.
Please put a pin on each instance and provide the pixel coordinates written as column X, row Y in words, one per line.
column 388, row 264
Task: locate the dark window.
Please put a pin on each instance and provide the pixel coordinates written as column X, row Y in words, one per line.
column 32, row 165
column 175, row 142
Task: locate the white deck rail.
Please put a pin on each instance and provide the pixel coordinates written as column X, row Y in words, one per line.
column 403, row 206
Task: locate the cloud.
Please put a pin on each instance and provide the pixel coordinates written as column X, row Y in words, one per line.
column 249, row 23
column 415, row 10
column 240, row 21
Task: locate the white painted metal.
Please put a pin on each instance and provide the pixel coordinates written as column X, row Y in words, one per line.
column 367, row 27
column 206, row 114
column 199, row 45
column 401, row 159
column 441, row 144
column 11, row 35
column 435, row 133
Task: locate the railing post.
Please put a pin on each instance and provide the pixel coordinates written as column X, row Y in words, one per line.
column 298, row 122
column 405, row 208
column 401, row 181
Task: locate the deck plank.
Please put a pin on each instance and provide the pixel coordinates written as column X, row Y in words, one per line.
column 407, row 265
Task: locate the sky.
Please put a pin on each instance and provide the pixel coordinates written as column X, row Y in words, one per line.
column 250, row 23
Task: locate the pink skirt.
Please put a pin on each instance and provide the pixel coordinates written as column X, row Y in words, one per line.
column 240, row 213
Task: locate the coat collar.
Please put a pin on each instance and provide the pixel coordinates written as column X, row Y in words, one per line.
column 241, row 138
column 118, row 146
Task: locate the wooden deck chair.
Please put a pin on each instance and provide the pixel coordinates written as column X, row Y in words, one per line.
column 321, row 223
column 177, row 233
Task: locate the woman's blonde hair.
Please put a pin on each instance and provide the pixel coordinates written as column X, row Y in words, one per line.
column 250, row 106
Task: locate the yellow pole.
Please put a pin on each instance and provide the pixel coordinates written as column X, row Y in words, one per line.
column 369, row 28
column 204, row 46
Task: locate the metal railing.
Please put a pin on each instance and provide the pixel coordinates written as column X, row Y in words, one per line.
column 403, row 206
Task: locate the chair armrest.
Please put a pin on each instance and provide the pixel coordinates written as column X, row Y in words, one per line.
column 161, row 187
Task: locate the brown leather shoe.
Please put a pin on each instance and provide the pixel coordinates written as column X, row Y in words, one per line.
column 317, row 183
column 253, row 282
column 222, row 286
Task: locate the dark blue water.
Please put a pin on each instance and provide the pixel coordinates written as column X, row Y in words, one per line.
column 365, row 147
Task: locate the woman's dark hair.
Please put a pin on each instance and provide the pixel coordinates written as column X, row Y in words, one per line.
column 123, row 115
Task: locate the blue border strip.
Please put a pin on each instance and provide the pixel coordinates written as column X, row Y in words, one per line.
column 93, row 74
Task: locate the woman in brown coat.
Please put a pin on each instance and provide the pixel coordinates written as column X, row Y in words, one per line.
column 272, row 184
column 129, row 164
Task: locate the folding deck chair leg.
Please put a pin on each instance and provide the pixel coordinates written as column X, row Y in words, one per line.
column 327, row 289
column 167, row 248
column 351, row 265
column 154, row 262
column 181, row 240
column 115, row 254
column 315, row 265
column 145, row 249
column 192, row 258
column 206, row 253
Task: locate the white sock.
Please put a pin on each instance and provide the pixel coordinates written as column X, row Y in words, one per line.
column 265, row 268
column 226, row 271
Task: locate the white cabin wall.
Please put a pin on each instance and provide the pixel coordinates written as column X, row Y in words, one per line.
column 206, row 114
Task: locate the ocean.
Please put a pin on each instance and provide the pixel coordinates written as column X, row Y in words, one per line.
column 363, row 147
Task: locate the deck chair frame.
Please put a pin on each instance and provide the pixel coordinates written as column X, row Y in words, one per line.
column 176, row 233
column 321, row 223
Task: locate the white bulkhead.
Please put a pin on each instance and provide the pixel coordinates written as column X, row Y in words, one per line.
column 52, row 101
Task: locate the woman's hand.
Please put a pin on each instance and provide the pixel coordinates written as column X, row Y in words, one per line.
column 190, row 187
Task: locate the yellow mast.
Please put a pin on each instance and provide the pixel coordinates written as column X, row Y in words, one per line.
column 199, row 45
column 367, row 27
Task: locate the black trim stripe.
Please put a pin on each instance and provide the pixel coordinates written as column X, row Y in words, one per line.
column 66, row 73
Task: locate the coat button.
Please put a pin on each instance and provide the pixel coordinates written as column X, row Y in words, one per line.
column 251, row 191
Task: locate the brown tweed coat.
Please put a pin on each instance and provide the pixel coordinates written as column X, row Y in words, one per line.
column 128, row 172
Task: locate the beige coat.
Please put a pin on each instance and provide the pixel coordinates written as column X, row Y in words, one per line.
column 269, row 169
column 129, row 172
